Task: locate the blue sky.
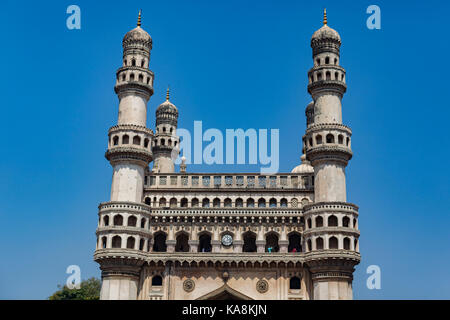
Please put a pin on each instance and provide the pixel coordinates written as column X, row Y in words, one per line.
column 231, row 64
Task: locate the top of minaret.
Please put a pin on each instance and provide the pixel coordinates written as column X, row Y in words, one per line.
column 137, row 34
column 166, row 108
column 325, row 32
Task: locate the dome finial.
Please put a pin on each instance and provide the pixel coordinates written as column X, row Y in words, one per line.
column 139, row 18
column 325, row 16
column 167, row 93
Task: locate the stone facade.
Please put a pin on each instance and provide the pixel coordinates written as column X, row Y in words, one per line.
column 178, row 235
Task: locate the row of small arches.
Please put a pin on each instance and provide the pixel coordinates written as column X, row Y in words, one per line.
column 332, row 221
column 227, row 203
column 132, row 78
column 326, row 61
column 328, row 76
column 162, row 142
column 333, row 243
column 133, row 62
column 136, row 140
column 329, row 138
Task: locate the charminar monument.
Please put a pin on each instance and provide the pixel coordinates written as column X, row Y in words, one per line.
column 167, row 235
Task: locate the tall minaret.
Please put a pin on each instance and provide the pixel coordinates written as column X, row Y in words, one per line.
column 129, row 153
column 166, row 142
column 331, row 223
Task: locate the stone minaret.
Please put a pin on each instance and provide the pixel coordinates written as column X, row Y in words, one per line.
column 331, row 221
column 129, row 152
column 166, row 142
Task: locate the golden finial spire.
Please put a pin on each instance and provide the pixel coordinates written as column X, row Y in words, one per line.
column 139, row 19
column 325, row 16
column 167, row 94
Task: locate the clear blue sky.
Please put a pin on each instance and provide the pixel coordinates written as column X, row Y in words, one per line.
column 231, row 64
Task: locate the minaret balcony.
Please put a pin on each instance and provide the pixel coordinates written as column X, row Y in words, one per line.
column 131, row 154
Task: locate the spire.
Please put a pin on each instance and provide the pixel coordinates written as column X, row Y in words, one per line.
column 325, row 16
column 139, row 19
column 167, row 94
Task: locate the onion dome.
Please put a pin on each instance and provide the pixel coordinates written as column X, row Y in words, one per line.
column 325, row 33
column 304, row 167
column 166, row 112
column 137, row 35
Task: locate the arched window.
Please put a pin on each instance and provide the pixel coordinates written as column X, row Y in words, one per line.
column 130, row 242
column 272, row 243
column 156, row 281
column 261, row 203
column 310, row 142
column 125, row 62
column 319, row 76
column 146, row 141
column 330, row 138
column 124, row 77
column 173, row 202
column 204, row 244
column 115, row 140
column 348, row 141
column 239, row 203
column 103, row 242
column 309, row 244
column 159, row 244
column 106, row 220
column 162, row 202
column 141, row 78
column 142, row 63
column 328, row 75
column 133, row 62
column 137, row 140
column 118, row 220
column 216, row 203
column 184, row 203
column 283, row 203
column 294, row 243
column 125, row 139
column 227, row 203
column 163, row 142
column 141, row 244
column 319, row 243
column 294, row 283
column 309, row 223
column 354, row 223
column 319, row 222
column 356, row 244
column 273, row 203
column 116, row 242
column 346, row 243
column 332, row 221
column 335, row 61
column 340, row 139
column 336, row 76
column 327, row 60
column 318, row 62
column 132, row 77
column 147, row 201
column 194, row 202
column 169, row 142
column 182, row 244
column 250, row 203
column 333, row 243
column 249, row 242
column 205, row 203
column 132, row 221
column 346, row 222
column 318, row 139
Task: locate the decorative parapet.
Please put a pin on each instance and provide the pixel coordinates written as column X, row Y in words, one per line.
column 320, row 207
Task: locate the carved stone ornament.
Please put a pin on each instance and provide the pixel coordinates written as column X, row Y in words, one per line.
column 188, row 285
column 262, row 286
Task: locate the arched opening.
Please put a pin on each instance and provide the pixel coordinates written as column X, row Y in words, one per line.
column 133, row 62
column 141, row 78
column 309, row 244
column 249, row 242
column 327, row 60
column 273, row 203
column 354, row 223
column 356, row 244
column 272, row 243
column 216, row 203
column 146, row 141
column 319, row 222
column 142, row 63
column 335, row 61
column 143, row 221
column 319, row 76
column 346, row 222
column 294, row 283
column 204, row 244
column 330, row 138
column 156, row 281
column 333, row 243
column 205, row 203
column 227, row 203
column 250, row 203
column 147, row 201
column 162, row 202
column 239, row 203
column 163, row 142
column 173, row 202
column 106, row 220
column 118, row 220
column 309, row 223
column 115, row 140
column 261, row 203
column 318, row 61
column 346, row 243
column 319, row 243
column 318, row 139
column 184, row 203
column 125, row 139
column 132, row 77
column 182, row 244
column 159, row 243
column 194, row 202
column 332, row 221
column 283, row 203
column 294, row 243
column 340, row 139
column 116, row 242
column 104, row 242
column 137, row 140
column 328, row 75
column 141, row 244
column 132, row 221
column 130, row 242
column 348, row 141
